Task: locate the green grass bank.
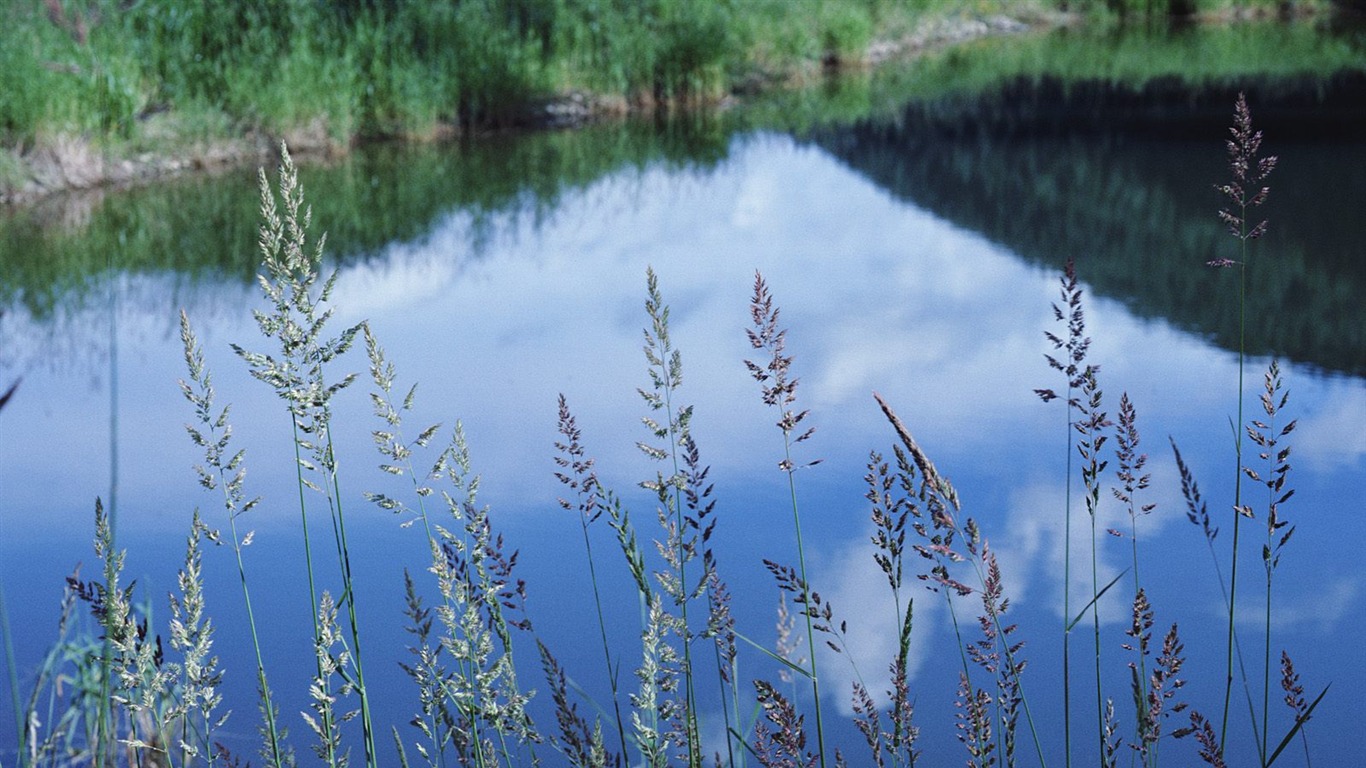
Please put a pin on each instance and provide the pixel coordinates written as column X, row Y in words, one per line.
column 93, row 91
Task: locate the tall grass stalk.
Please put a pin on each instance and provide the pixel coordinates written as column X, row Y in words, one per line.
column 199, row 677
column 780, row 392
column 1071, row 363
column 298, row 317
column 223, row 469
column 1091, row 427
column 889, row 516
column 1246, row 190
column 1269, row 438
column 666, row 376
column 578, row 477
column 1133, row 480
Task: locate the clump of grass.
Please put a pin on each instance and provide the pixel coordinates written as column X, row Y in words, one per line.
column 298, row 296
column 328, row 73
column 997, row 654
column 151, row 708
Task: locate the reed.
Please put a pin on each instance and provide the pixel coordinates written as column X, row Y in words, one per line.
column 890, row 515
column 583, row 482
column 779, row 391
column 224, row 469
column 298, row 295
column 681, row 522
column 1071, row 362
column 1245, row 191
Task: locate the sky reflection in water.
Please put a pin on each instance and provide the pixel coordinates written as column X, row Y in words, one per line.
column 878, row 295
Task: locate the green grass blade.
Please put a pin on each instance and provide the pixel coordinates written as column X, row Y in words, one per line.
column 799, row 670
column 1299, row 723
column 1093, row 600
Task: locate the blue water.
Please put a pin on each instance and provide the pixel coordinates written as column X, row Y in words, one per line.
column 877, row 294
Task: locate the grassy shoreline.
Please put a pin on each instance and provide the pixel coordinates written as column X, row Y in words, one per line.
column 103, row 94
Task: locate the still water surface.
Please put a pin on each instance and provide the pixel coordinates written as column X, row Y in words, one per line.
column 921, row 269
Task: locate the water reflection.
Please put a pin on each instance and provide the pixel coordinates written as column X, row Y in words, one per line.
column 1135, row 214
column 884, row 285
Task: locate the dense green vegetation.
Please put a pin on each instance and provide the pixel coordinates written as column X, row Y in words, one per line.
column 154, row 72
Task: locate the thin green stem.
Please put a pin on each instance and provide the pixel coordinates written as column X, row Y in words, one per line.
column 348, row 585
column 957, row 632
column 1066, row 594
column 602, row 631
column 690, row 726
column 312, row 584
column 1237, row 486
column 801, row 566
column 276, row 756
column 1095, row 626
column 1266, row 671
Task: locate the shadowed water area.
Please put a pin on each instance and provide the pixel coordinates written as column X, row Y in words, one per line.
column 914, row 240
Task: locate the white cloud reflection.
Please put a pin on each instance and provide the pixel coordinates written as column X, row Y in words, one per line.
column 877, row 295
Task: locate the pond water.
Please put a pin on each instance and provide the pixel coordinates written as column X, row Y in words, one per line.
column 911, row 261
